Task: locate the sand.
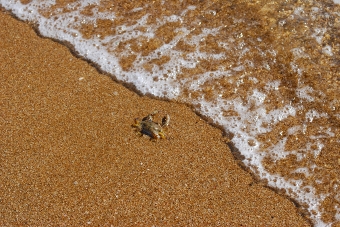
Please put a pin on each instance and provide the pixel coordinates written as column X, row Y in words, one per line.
column 69, row 156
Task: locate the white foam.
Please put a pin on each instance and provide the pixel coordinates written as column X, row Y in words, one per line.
column 303, row 93
column 327, row 50
column 318, row 34
column 298, row 52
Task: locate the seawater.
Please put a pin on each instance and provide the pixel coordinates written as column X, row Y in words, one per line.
column 268, row 72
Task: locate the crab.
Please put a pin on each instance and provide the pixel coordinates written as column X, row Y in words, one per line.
column 150, row 128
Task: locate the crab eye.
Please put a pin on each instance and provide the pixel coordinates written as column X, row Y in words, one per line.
column 166, row 120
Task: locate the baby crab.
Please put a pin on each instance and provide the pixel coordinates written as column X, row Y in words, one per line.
column 150, row 128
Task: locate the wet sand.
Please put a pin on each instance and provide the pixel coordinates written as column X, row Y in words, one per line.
column 69, row 156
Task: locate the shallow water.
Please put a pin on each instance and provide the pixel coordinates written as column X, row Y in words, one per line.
column 267, row 72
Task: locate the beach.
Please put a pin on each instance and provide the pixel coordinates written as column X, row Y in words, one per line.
column 70, row 157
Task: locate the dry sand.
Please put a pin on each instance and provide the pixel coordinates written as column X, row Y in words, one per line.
column 69, row 156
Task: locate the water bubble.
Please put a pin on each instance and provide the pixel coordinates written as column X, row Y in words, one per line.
column 282, row 23
column 213, row 12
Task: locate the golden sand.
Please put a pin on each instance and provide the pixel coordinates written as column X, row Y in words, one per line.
column 69, row 156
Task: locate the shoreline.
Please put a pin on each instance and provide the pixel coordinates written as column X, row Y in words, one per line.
column 71, row 157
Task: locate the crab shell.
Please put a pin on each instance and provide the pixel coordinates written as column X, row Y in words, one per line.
column 152, row 129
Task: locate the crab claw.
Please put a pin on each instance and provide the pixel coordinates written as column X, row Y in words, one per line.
column 162, row 135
